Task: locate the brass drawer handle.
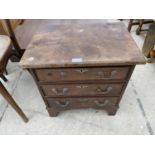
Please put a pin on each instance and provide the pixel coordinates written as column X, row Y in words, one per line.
column 101, row 74
column 103, row 91
column 82, row 70
column 59, row 92
column 62, row 104
column 82, row 86
column 101, row 103
column 83, row 100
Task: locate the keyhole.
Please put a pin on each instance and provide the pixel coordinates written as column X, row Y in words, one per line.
column 81, row 70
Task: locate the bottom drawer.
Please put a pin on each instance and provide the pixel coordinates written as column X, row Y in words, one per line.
column 70, row 103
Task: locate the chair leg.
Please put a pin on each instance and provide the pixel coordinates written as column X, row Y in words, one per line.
column 12, row 102
column 4, row 78
column 13, row 37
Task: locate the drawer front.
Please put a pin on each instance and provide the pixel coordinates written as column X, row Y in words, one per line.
column 68, row 103
column 82, row 90
column 78, row 74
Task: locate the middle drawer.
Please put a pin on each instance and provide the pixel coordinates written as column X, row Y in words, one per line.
column 82, row 90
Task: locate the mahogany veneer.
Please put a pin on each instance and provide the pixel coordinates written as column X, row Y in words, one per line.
column 82, row 65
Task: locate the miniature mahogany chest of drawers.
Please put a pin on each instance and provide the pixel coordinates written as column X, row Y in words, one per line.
column 82, row 65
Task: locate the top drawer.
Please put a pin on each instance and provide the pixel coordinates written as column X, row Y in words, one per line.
column 78, row 74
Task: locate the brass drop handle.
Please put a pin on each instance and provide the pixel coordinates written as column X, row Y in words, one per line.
column 103, row 91
column 83, row 100
column 101, row 103
column 59, row 92
column 82, row 70
column 101, row 74
column 62, row 104
column 82, row 86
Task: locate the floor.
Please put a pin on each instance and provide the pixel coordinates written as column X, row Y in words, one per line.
column 135, row 115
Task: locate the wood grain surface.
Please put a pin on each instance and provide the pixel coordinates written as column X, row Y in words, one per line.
column 71, row 45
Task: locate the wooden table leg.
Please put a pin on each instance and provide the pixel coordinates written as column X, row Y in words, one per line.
column 141, row 22
column 6, row 72
column 130, row 24
column 3, row 77
column 12, row 102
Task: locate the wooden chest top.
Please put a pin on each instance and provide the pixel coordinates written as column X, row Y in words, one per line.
column 78, row 45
